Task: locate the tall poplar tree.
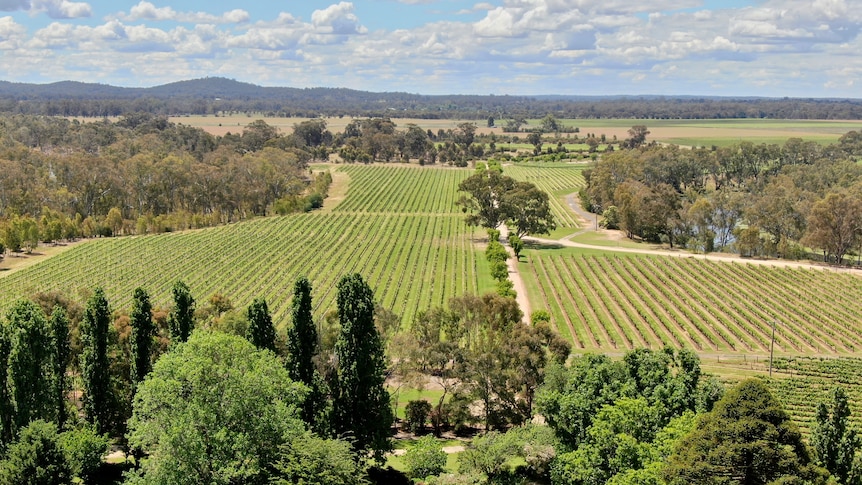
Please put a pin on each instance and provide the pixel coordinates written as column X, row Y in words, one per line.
column 181, row 319
column 141, row 341
column 6, row 409
column 261, row 332
column 98, row 398
column 30, row 363
column 361, row 409
column 834, row 440
column 302, row 346
column 302, row 343
column 62, row 354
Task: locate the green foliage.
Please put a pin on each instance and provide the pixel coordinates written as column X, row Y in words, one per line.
column 667, row 381
column 485, row 202
column 95, row 369
column 529, row 210
column 302, row 347
column 499, row 270
column 517, row 245
column 417, row 413
column 31, row 369
column 361, row 409
column 747, row 438
column 505, row 288
column 302, row 334
column 834, row 442
column 214, row 410
column 7, row 408
column 309, row 460
column 540, row 316
column 261, row 332
column 141, row 339
column 495, row 252
column 36, row 458
column 488, row 455
column 610, row 218
column 62, row 354
column 181, row 319
column 85, row 449
column 425, row 458
column 493, row 198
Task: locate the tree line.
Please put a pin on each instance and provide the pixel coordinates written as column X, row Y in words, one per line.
column 64, row 180
column 756, row 199
column 212, row 96
column 194, row 405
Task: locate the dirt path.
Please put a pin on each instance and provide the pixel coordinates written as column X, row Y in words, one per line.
column 517, row 281
column 446, row 449
column 590, row 221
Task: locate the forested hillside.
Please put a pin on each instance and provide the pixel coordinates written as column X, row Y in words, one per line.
column 216, row 95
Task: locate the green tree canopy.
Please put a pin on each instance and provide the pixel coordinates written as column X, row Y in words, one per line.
column 36, row 458
column 834, row 441
column 62, row 354
column 492, row 198
column 261, row 332
column 141, row 340
column 748, row 438
column 181, row 319
column 95, row 369
column 214, row 410
column 667, row 380
column 31, row 367
column 361, row 403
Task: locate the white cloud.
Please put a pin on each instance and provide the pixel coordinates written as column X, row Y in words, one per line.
column 337, row 19
column 513, row 46
column 147, row 11
column 11, row 34
column 57, row 9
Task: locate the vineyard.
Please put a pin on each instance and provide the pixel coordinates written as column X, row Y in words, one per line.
column 413, row 190
column 808, row 383
column 417, row 254
column 558, row 181
column 620, row 303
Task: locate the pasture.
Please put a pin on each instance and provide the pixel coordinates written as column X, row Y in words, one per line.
column 681, row 132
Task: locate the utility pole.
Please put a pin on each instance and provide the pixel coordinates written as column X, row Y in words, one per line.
column 771, row 348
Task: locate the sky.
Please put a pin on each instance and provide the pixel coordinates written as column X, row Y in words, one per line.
column 776, row 48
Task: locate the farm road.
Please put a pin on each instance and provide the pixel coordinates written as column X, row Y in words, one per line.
column 589, row 220
column 517, row 281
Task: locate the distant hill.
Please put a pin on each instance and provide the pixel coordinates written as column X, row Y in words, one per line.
column 217, row 94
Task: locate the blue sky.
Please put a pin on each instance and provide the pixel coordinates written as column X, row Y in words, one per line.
column 806, row 48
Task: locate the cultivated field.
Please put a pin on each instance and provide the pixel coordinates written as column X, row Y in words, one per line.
column 414, row 255
column 618, row 303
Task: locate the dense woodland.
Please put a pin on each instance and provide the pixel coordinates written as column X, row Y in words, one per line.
column 756, row 199
column 211, row 96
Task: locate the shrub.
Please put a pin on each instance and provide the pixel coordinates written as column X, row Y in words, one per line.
column 417, row 413
column 84, row 449
column 36, row 458
column 499, row 270
column 425, row 458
